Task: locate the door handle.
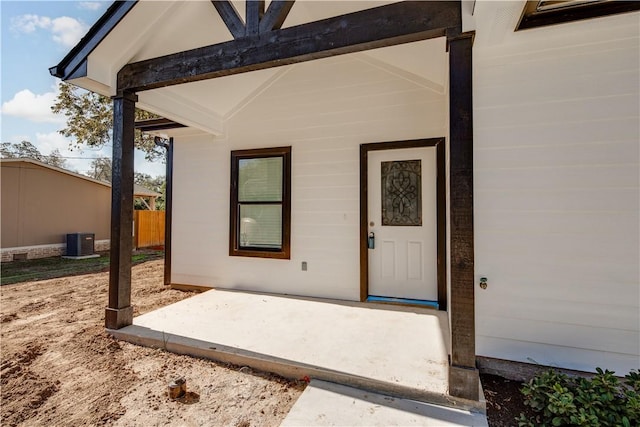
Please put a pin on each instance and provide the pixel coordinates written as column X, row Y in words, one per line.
column 371, row 241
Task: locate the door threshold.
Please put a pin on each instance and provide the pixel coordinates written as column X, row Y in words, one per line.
column 403, row 301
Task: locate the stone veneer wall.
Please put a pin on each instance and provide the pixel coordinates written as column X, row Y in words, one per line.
column 44, row 251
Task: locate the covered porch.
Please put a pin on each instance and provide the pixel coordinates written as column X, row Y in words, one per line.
column 238, row 83
column 396, row 350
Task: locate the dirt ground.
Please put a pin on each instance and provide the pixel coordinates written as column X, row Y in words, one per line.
column 59, row 367
column 505, row 402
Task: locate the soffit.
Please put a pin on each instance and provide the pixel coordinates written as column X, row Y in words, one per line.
column 305, row 11
column 156, row 28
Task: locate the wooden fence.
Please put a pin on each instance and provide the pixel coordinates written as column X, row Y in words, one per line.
column 148, row 229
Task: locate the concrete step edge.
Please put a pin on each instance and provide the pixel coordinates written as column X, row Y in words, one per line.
column 287, row 368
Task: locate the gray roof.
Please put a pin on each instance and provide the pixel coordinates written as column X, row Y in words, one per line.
column 138, row 190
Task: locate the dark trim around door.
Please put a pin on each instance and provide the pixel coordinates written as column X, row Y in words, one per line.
column 439, row 144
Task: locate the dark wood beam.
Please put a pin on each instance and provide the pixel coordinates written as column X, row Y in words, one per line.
column 119, row 312
column 151, row 125
column 463, row 375
column 230, row 17
column 255, row 11
column 378, row 27
column 275, row 15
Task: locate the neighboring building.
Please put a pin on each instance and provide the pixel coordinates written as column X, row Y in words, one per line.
column 512, row 157
column 42, row 203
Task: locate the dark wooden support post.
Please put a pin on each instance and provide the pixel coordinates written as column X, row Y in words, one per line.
column 119, row 312
column 168, row 206
column 275, row 15
column 463, row 375
column 230, row 17
column 255, row 11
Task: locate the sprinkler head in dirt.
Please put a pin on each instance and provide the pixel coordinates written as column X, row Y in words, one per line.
column 177, row 388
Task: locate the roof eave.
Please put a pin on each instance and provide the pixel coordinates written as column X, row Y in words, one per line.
column 73, row 65
column 139, row 190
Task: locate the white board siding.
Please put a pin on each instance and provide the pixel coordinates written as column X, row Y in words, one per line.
column 324, row 110
column 558, row 355
column 557, row 136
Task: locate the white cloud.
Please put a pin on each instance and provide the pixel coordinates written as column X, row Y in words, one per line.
column 29, row 23
column 76, row 159
column 48, row 142
column 64, row 30
column 90, row 5
column 34, row 107
column 15, row 139
column 67, row 31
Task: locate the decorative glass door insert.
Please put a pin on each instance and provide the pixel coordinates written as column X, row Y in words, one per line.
column 401, row 193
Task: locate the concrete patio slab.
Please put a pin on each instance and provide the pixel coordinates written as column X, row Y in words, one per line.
column 328, row 404
column 400, row 351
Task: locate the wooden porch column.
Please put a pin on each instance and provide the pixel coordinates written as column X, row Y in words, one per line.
column 463, row 375
column 119, row 312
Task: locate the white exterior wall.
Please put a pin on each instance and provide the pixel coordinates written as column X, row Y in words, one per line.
column 556, row 121
column 324, row 110
column 556, row 116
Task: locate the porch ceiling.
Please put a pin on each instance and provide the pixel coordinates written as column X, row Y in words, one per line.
column 152, row 29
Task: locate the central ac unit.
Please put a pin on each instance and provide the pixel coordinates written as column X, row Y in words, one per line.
column 80, row 244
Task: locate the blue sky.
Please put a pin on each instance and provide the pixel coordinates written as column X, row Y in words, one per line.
column 36, row 35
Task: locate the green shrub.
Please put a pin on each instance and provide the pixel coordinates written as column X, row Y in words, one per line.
column 560, row 400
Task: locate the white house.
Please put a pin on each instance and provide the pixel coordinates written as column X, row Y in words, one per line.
column 481, row 157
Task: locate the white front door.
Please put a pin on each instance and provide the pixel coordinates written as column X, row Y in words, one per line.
column 402, row 215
